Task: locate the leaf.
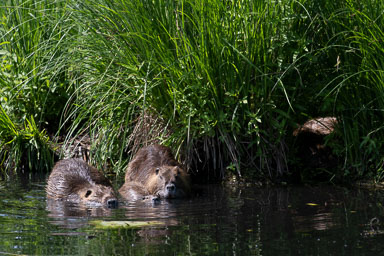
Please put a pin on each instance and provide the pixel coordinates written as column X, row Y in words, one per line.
column 101, row 224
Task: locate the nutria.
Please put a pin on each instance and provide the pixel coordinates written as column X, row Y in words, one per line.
column 319, row 126
column 311, row 134
column 154, row 173
column 311, row 147
column 73, row 180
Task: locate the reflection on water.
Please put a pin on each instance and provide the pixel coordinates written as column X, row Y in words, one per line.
column 72, row 215
column 220, row 221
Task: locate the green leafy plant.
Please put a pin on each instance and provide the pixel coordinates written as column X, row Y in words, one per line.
column 23, row 147
column 224, row 83
column 34, row 78
column 209, row 71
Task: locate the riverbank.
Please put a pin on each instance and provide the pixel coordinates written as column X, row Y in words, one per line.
column 223, row 83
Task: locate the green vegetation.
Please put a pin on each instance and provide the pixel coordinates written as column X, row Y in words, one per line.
column 222, row 82
column 25, row 147
column 33, row 81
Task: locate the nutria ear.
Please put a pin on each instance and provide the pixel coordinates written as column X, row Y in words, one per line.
column 88, row 193
column 157, row 171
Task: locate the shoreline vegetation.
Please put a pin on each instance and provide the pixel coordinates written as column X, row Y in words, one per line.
column 223, row 83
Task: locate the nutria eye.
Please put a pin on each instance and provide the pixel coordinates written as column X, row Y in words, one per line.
column 89, row 192
column 157, row 171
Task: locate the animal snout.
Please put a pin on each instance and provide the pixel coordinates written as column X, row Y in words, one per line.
column 171, row 187
column 112, row 203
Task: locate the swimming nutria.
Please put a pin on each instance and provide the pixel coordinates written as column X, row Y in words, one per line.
column 75, row 181
column 154, row 173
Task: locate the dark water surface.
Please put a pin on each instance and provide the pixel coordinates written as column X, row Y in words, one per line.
column 222, row 221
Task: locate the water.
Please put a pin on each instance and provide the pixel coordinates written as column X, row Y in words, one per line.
column 220, row 221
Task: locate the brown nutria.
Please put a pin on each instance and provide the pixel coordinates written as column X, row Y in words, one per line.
column 73, row 180
column 319, row 126
column 311, row 134
column 311, row 147
column 154, row 173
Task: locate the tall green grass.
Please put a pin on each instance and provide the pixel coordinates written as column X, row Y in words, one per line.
column 360, row 94
column 229, row 79
column 35, row 78
column 23, row 148
column 213, row 71
column 224, row 83
column 33, row 67
column 347, row 57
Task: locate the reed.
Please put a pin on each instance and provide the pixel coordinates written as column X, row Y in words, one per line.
column 23, row 147
column 222, row 82
column 360, row 93
column 209, row 70
column 35, row 78
column 34, row 72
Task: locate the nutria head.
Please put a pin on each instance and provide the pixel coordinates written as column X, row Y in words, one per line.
column 73, row 180
column 94, row 195
column 169, row 182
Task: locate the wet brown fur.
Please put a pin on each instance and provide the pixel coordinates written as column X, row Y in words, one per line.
column 155, row 172
column 75, row 181
column 318, row 126
column 311, row 147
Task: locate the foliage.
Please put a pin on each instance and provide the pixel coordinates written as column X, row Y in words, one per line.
column 33, row 67
column 34, row 78
column 358, row 87
column 23, row 147
column 210, row 70
column 222, row 82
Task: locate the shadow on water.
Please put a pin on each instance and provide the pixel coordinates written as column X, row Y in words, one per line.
column 220, row 221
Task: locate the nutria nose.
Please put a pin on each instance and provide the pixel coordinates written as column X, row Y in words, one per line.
column 171, row 187
column 112, row 203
